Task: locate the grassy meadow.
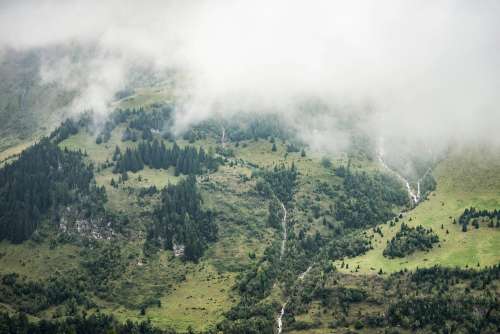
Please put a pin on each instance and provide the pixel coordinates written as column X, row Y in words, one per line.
column 468, row 177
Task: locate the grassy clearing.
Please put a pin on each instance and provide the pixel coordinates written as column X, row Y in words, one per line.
column 37, row 260
column 146, row 96
column 119, row 199
column 199, row 302
column 85, row 141
column 466, row 178
column 194, row 296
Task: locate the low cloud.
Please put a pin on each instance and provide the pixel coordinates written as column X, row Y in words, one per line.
column 417, row 71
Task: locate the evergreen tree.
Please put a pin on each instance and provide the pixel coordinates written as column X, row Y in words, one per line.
column 187, row 160
column 180, row 219
column 43, row 178
column 116, row 154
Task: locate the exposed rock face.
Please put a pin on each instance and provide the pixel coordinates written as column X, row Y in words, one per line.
column 98, row 228
column 178, row 249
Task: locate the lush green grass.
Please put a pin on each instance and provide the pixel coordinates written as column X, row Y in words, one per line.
column 198, row 301
column 98, row 153
column 37, row 260
column 120, row 199
column 466, row 178
column 193, row 295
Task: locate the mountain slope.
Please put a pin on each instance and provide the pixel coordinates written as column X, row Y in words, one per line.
column 242, row 280
column 468, row 177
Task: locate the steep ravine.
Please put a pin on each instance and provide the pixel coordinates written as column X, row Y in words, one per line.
column 301, row 276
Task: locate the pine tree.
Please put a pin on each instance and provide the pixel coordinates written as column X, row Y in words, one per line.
column 42, row 179
column 117, row 153
column 127, row 134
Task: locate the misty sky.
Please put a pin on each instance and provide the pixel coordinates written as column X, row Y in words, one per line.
column 427, row 69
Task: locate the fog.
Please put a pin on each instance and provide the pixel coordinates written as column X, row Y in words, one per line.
column 417, row 72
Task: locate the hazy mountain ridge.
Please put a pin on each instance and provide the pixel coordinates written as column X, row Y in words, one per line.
column 145, row 280
column 251, row 167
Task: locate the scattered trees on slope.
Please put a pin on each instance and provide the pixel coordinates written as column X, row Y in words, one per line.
column 279, row 181
column 475, row 216
column 410, row 239
column 369, row 199
column 139, row 119
column 98, row 323
column 430, row 300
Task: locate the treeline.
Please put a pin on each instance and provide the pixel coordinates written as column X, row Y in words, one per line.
column 70, row 127
column 32, row 297
column 254, row 314
column 96, row 324
column 63, row 131
column 318, row 252
column 431, row 300
column 445, row 276
column 187, row 160
column 410, row 239
column 180, row 220
column 349, row 245
column 70, row 292
column 38, row 183
column 279, row 181
column 103, row 263
column 474, row 215
column 276, row 213
column 258, row 127
column 446, row 314
column 427, row 184
column 141, row 124
column 369, row 199
column 140, row 120
column 246, row 127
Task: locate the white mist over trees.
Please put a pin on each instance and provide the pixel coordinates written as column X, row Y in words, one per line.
column 413, row 70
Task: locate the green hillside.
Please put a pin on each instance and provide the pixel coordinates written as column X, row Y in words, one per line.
column 466, row 178
column 116, row 256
